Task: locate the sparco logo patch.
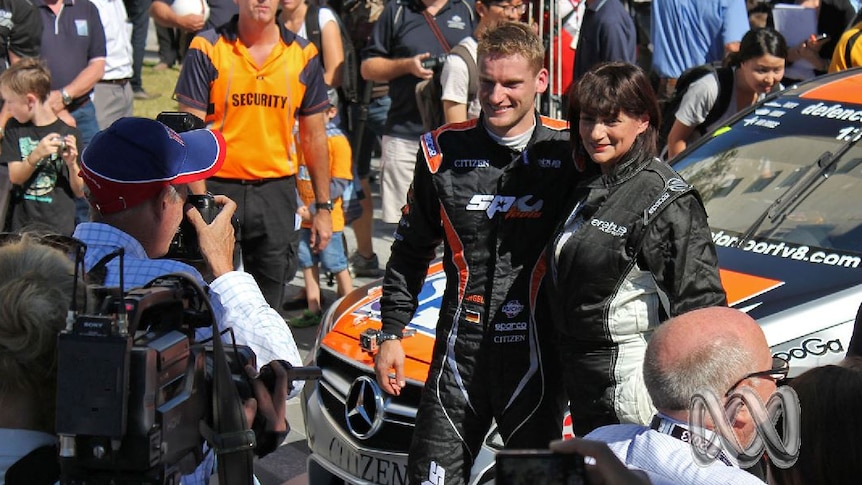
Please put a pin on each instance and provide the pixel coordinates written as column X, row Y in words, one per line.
column 609, row 227
column 512, row 308
column 472, row 163
column 429, row 144
column 676, row 185
column 514, row 207
column 673, row 185
column 510, row 326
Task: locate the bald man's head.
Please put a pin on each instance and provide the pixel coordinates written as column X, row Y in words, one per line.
column 709, row 348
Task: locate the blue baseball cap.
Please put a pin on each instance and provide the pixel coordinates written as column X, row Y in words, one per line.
column 135, row 158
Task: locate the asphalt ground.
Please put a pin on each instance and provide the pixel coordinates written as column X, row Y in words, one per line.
column 288, row 463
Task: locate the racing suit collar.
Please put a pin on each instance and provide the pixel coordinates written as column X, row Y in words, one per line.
column 622, row 172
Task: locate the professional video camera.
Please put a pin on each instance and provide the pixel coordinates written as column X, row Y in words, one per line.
column 136, row 389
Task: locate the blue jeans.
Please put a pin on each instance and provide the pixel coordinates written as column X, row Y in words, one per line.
column 332, row 258
column 88, row 126
column 378, row 109
column 139, row 16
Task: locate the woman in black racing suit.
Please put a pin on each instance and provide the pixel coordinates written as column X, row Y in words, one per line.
column 634, row 250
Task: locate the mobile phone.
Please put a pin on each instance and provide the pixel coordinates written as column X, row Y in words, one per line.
column 528, row 467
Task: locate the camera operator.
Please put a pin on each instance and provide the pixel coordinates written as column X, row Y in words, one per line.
column 137, row 171
column 36, row 284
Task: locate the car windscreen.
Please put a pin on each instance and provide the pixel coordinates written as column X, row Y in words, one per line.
column 789, row 172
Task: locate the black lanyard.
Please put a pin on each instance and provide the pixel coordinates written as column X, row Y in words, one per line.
column 676, row 431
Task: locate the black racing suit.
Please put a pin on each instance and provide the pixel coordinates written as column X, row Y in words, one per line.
column 495, row 210
column 635, row 248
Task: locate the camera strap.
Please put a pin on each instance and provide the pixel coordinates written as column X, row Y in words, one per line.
column 233, row 440
column 435, row 29
column 231, row 437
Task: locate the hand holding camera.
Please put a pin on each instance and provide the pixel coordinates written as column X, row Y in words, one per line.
column 49, row 145
column 433, row 62
column 424, row 65
column 215, row 239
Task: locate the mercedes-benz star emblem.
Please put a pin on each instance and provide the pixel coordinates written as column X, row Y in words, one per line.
column 363, row 410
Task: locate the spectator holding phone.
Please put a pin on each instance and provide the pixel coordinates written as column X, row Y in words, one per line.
column 758, row 68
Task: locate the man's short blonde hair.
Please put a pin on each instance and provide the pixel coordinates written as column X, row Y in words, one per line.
column 512, row 38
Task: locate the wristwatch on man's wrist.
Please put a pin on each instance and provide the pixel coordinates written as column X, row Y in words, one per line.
column 383, row 337
column 67, row 98
column 328, row 205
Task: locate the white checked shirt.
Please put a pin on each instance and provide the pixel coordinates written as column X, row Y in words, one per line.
column 667, row 460
column 236, row 298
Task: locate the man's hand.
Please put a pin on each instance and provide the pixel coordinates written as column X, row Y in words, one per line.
column 416, row 67
column 321, row 230
column 216, row 240
column 191, row 22
column 271, row 407
column 55, row 101
column 389, row 356
column 605, row 468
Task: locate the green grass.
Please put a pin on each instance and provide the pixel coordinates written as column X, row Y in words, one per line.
column 161, row 82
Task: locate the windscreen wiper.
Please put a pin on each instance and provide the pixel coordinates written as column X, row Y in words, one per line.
column 825, row 166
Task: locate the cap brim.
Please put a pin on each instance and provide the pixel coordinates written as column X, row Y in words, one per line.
column 205, row 153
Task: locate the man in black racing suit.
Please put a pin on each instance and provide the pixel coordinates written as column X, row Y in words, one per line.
column 492, row 190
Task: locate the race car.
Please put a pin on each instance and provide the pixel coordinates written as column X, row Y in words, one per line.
column 782, row 185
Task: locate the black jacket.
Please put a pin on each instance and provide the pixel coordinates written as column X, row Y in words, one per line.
column 634, row 237
column 495, row 209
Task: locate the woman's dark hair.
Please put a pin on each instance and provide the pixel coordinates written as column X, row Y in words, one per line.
column 829, row 397
column 757, row 43
column 610, row 89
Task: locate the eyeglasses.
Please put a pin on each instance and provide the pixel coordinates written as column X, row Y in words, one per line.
column 779, row 370
column 507, row 7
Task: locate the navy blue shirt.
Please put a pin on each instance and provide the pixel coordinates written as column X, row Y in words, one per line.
column 607, row 34
column 70, row 40
column 402, row 31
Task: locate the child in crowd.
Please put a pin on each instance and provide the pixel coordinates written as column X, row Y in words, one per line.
column 41, row 153
column 333, row 258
